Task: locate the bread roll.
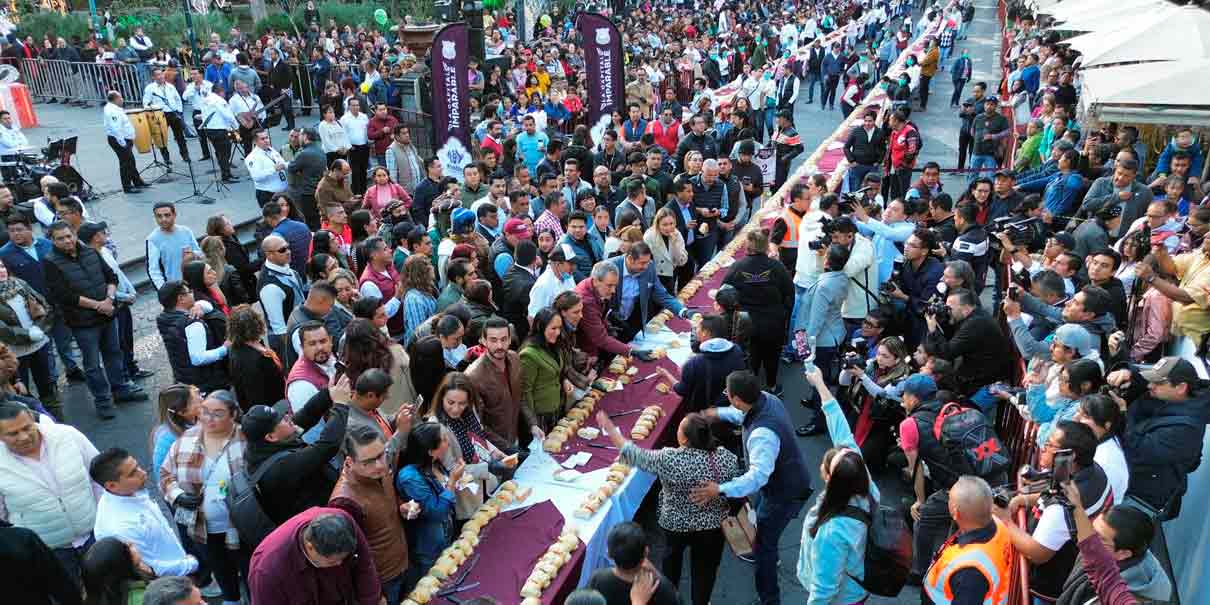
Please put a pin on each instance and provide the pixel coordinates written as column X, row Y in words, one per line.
column 509, row 486
column 615, row 477
column 421, row 595
column 505, row 498
column 531, row 601
column 584, row 513
column 662, row 387
column 531, row 590
column 620, row 467
column 523, row 494
column 605, row 491
column 570, row 541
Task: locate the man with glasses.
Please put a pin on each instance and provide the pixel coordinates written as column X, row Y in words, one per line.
column 317, row 556
column 280, row 289
column 194, row 335
column 1198, row 223
column 1190, row 309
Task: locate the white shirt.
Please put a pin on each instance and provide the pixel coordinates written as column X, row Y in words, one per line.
column 356, row 127
column 1113, row 461
column 299, row 392
column 117, row 124
column 12, row 139
column 195, row 94
column 251, row 103
column 195, row 339
column 137, row 520
column 546, row 288
column 332, row 136
column 216, row 113
column 162, row 96
column 263, row 167
column 141, row 43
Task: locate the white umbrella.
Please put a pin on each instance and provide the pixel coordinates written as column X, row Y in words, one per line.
column 1174, row 35
column 1118, row 16
column 1159, row 83
column 1073, row 8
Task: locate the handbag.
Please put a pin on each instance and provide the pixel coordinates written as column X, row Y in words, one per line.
column 736, row 526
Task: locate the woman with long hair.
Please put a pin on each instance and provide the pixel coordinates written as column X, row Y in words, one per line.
column 1107, row 421
column 220, row 226
column 194, row 480
column 26, row 321
column 1059, row 399
column 114, row 573
column 697, row 459
column 230, row 282
column 325, row 242
column 332, row 135
column 382, row 191
column 420, row 292
column 456, row 406
column 424, row 480
column 959, row 274
column 178, row 407
column 543, row 384
column 257, row 374
column 437, row 354
column 739, row 322
column 365, row 347
column 321, row 266
column 203, row 281
column 831, row 559
column 668, row 250
column 880, row 409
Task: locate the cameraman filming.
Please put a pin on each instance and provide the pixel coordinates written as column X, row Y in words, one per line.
column 1090, row 307
column 861, row 270
column 886, row 234
column 977, row 340
column 1165, row 424
column 972, row 244
column 1049, row 548
column 916, row 283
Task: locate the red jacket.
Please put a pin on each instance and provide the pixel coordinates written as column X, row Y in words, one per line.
column 592, row 337
column 904, row 147
column 381, row 132
column 665, row 137
column 279, row 573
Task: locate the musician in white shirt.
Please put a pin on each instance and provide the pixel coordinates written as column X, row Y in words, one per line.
column 244, row 102
column 163, row 96
column 356, row 125
column 267, row 168
column 217, row 125
column 120, row 134
column 193, row 98
column 12, row 140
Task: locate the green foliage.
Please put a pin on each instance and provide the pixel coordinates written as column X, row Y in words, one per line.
column 169, row 31
column 39, row 25
column 346, row 14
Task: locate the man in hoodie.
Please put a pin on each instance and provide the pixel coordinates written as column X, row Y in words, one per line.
column 1126, row 533
column 704, row 375
column 1090, row 307
column 243, row 73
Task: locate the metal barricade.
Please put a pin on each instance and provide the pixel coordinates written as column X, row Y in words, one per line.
column 87, row 82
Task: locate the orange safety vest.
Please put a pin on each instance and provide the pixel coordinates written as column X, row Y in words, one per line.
column 792, row 223
column 992, row 558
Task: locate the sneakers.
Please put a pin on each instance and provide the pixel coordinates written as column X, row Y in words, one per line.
column 748, row 558
column 212, row 590
column 129, row 394
column 139, row 373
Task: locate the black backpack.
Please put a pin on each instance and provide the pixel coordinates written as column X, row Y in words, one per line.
column 243, row 503
column 888, row 549
column 970, row 443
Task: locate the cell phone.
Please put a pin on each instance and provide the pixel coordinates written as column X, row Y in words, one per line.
column 340, row 368
column 1064, row 461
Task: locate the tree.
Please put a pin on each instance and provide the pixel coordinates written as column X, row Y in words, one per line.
column 258, row 10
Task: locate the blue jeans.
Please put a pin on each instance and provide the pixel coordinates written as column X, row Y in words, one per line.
column 799, row 292
column 857, row 174
column 812, row 80
column 62, row 337
column 772, row 517
column 945, row 54
column 99, row 345
column 393, row 590
column 770, row 115
column 72, row 559
column 981, row 161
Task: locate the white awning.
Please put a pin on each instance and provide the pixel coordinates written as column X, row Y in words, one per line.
column 1117, row 16
column 1181, row 34
column 1071, row 9
column 1172, row 83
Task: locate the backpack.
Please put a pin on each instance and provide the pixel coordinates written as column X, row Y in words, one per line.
column 888, row 549
column 244, row 507
column 971, row 445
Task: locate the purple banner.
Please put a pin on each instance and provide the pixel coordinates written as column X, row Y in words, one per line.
column 451, row 91
column 603, row 67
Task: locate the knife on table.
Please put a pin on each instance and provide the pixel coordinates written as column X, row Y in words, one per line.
column 466, row 571
column 456, row 589
column 600, row 446
column 626, row 413
column 647, row 377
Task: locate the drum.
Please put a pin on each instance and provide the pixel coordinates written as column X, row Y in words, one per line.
column 142, row 129
column 158, row 125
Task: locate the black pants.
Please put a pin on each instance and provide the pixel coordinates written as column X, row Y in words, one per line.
column 956, row 98
column 246, row 139
column 829, row 92
column 930, row 530
column 178, row 133
column 924, row 91
column 669, row 283
column 126, row 337
column 310, row 210
column 126, row 167
column 766, row 346
column 221, row 142
column 705, row 553
column 965, row 144
column 895, row 185
column 227, row 565
column 359, row 161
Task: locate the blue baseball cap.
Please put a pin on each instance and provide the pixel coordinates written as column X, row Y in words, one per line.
column 920, row 386
column 462, row 220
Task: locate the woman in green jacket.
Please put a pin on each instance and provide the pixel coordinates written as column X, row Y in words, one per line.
column 542, row 363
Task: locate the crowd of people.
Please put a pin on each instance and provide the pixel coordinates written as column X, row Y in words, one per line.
column 350, row 393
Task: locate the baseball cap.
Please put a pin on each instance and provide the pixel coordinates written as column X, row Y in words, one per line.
column 462, row 220
column 517, row 227
column 1005, row 173
column 1075, row 337
column 919, row 385
column 562, row 253
column 260, row 420
column 88, row 230
column 1172, row 370
column 401, row 231
column 1065, row 239
column 462, row 251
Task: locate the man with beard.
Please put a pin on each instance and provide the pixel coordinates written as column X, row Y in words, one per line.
column 497, row 373
column 313, row 371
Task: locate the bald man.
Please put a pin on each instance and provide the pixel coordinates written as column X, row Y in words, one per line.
column 280, row 289
column 975, row 563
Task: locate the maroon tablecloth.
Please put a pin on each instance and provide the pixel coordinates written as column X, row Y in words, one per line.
column 524, row 539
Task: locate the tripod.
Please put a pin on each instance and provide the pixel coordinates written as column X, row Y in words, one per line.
column 200, row 195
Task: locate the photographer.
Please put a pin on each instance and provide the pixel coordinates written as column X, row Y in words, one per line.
column 1088, row 308
column 886, row 234
column 1115, row 566
column 879, row 408
column 972, row 244
column 1102, row 265
column 821, row 309
column 941, row 219
column 861, row 270
column 1093, row 233
column 1165, row 425
column 977, row 340
column 1049, row 549
column 916, row 282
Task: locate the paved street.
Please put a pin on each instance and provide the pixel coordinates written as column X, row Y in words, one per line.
column 130, row 219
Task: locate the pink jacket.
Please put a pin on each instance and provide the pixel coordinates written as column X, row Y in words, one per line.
column 377, row 197
column 1151, row 324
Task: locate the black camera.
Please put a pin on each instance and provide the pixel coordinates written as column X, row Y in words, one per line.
column 939, row 310
column 853, row 361
column 889, row 285
column 1002, row 495
column 1142, row 239
column 1020, row 230
column 828, row 226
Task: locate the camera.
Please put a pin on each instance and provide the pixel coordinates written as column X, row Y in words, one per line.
column 1014, row 293
column 1142, row 239
column 1002, row 495
column 1112, row 391
column 889, row 285
column 1020, row 230
column 939, row 310
column 851, row 200
column 824, row 240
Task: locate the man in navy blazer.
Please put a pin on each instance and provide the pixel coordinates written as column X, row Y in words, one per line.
column 23, row 256
column 638, row 286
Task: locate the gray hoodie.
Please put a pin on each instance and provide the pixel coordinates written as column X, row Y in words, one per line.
column 1144, row 577
column 245, row 74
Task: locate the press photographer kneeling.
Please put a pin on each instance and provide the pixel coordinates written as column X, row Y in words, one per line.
column 978, row 348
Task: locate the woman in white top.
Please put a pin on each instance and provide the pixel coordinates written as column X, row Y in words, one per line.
column 25, row 321
column 667, row 247
column 332, row 136
column 1102, row 414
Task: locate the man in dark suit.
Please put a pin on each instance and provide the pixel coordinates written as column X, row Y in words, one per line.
column 281, row 80
column 638, row 288
column 23, row 256
column 864, row 149
column 304, row 174
column 518, row 281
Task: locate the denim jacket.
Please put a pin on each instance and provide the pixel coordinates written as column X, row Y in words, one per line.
column 822, row 308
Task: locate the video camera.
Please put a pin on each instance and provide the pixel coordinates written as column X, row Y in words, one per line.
column 1052, row 479
column 1020, row 231
column 940, row 311
column 828, row 226
column 851, row 200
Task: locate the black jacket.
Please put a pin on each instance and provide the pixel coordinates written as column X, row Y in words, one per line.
column 68, row 278
column 765, row 292
column 861, row 148
column 305, row 171
column 254, row 377
column 514, row 301
column 306, row 476
column 31, row 572
column 984, row 350
column 1163, row 444
column 704, row 143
